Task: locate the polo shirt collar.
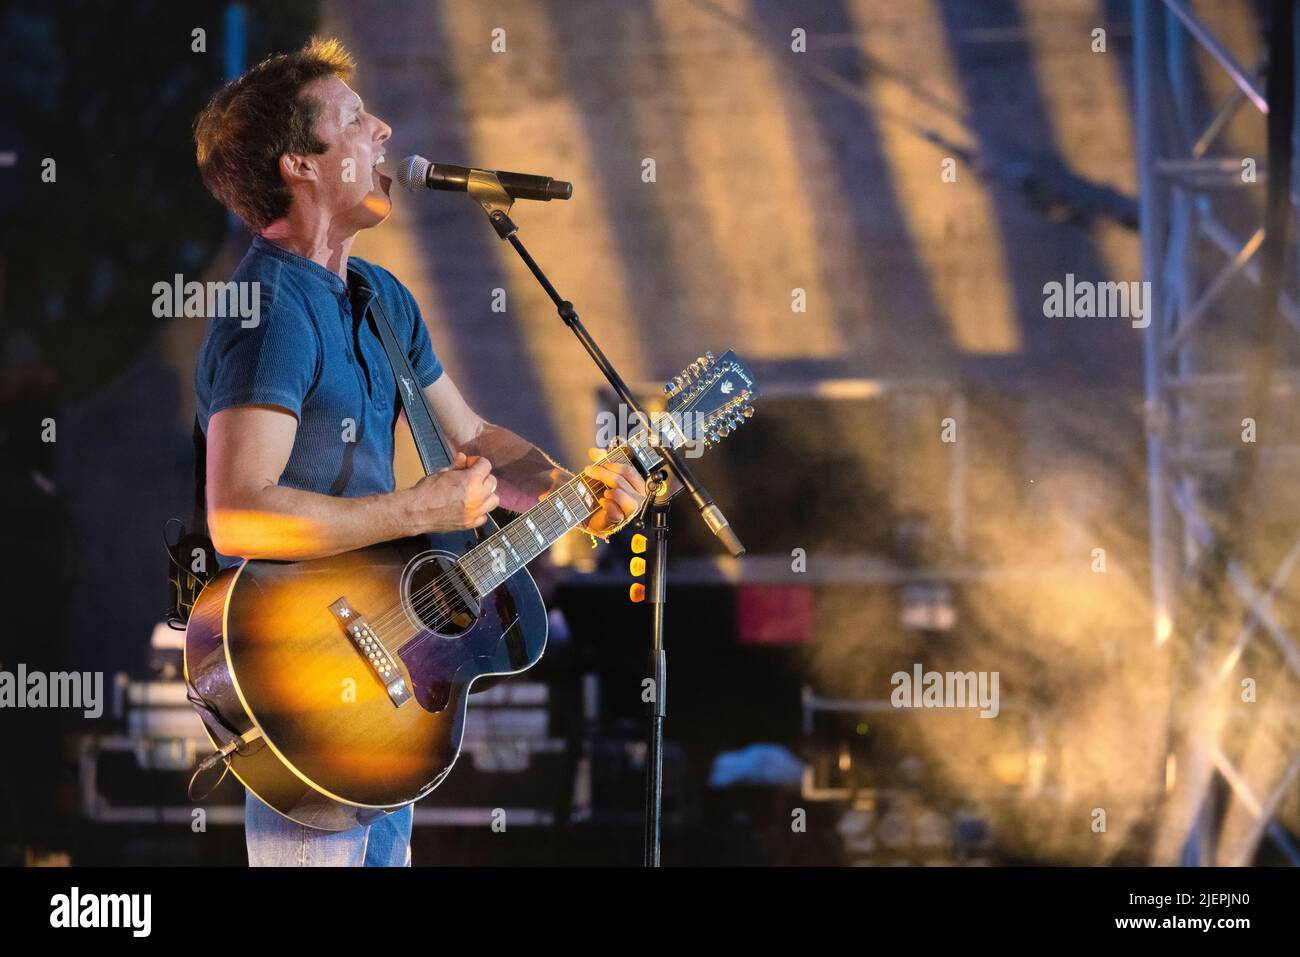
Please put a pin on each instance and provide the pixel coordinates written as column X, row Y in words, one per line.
column 332, row 280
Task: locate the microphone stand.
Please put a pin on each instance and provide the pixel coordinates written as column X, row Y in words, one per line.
column 488, row 192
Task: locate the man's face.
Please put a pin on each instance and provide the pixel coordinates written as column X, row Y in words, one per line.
column 349, row 184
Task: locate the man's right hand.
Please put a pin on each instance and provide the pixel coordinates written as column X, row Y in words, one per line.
column 456, row 497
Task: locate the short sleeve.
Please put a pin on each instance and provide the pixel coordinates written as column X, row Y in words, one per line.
column 425, row 362
column 271, row 358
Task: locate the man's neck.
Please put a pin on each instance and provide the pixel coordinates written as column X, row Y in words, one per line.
column 316, row 238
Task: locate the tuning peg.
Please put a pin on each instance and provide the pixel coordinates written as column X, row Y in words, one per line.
column 709, row 356
column 749, row 411
column 669, row 387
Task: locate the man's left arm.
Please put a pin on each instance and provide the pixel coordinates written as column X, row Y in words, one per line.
column 524, row 472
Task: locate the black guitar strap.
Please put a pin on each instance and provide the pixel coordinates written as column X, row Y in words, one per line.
column 429, row 440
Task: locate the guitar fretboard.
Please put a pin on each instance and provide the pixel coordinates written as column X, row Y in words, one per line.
column 501, row 554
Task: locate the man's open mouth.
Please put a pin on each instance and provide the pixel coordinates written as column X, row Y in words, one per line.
column 385, row 182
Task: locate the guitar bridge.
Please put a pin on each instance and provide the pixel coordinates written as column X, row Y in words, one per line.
column 372, row 650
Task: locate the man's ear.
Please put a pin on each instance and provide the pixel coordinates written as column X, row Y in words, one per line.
column 297, row 168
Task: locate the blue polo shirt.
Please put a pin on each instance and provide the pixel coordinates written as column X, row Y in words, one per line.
column 315, row 352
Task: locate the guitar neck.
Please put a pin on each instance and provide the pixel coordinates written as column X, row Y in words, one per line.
column 501, row 554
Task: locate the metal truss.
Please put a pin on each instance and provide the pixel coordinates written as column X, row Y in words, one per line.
column 1200, row 238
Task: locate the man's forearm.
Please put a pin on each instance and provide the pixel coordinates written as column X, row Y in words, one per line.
column 524, row 472
column 289, row 524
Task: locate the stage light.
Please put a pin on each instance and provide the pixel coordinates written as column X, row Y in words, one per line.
column 637, row 567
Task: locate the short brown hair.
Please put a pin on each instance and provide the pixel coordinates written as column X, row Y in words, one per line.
column 254, row 120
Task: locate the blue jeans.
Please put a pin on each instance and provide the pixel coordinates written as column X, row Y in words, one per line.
column 275, row 841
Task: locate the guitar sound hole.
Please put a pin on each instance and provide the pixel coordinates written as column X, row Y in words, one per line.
column 437, row 595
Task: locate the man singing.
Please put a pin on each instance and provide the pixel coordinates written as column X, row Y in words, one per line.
column 291, row 150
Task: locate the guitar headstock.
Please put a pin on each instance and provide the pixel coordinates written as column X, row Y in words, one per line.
column 711, row 397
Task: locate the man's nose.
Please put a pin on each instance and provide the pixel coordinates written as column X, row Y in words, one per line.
column 382, row 130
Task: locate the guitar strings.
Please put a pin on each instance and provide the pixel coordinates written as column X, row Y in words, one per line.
column 428, row 598
column 394, row 614
column 423, row 601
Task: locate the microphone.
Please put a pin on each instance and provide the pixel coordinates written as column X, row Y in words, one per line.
column 417, row 173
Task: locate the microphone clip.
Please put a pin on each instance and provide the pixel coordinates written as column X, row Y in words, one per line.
column 486, row 189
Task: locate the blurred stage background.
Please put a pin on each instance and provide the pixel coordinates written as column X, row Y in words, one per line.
column 722, row 179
